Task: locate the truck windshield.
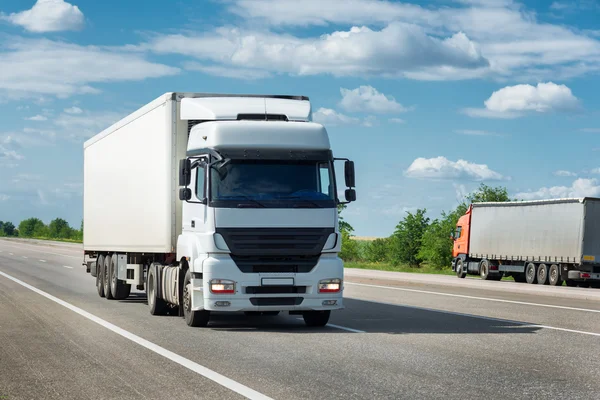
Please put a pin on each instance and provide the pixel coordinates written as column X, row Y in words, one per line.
column 262, row 183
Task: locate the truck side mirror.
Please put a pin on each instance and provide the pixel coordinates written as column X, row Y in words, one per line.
column 349, row 174
column 350, row 195
column 185, row 194
column 185, row 172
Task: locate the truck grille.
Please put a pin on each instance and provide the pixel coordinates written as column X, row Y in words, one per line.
column 292, row 264
column 262, row 250
column 276, row 301
column 275, row 241
column 275, row 289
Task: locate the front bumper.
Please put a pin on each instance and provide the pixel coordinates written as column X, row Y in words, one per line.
column 223, row 267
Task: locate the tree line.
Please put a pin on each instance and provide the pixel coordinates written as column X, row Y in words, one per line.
column 36, row 228
column 417, row 240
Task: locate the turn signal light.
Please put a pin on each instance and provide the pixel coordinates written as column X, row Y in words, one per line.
column 222, row 286
column 330, row 285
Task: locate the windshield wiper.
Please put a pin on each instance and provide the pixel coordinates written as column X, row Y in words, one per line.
column 251, row 203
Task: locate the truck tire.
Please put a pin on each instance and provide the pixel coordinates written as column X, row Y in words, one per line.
column 119, row 289
column 316, row 318
column 461, row 271
column 531, row 273
column 106, row 277
column 198, row 318
column 484, row 270
column 157, row 305
column 554, row 277
column 542, row 274
column 100, row 275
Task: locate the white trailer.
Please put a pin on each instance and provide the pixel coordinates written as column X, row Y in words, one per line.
column 214, row 202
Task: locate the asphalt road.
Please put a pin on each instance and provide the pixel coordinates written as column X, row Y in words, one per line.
column 394, row 340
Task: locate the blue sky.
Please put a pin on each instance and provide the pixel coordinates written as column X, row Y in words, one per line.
column 429, row 98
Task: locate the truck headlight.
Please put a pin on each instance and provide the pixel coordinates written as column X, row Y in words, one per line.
column 330, row 285
column 222, row 286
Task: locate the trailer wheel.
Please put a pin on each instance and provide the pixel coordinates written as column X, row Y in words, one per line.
column 100, row 275
column 157, row 305
column 461, row 272
column 542, row 274
column 106, row 278
column 484, row 270
column 119, row 289
column 531, row 273
column 192, row 318
column 554, row 277
column 316, row 318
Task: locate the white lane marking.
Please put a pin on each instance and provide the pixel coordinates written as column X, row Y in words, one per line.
column 475, row 297
column 42, row 260
column 342, row 327
column 506, row 321
column 11, row 254
column 184, row 362
column 47, row 252
column 66, row 266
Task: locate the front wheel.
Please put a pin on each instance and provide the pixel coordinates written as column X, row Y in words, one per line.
column 461, row 271
column 198, row 318
column 316, row 318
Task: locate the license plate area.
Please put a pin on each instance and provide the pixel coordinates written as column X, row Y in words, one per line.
column 277, row 282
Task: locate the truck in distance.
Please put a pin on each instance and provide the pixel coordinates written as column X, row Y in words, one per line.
column 547, row 242
column 213, row 202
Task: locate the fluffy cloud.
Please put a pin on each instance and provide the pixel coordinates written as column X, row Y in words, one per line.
column 580, row 188
column 38, row 118
column 4, row 197
column 86, row 124
column 329, row 117
column 394, row 51
column 514, row 101
column 368, row 99
column 73, row 110
column 226, row 72
column 563, row 173
column 442, row 168
column 48, row 16
column 44, row 67
column 509, row 35
column 396, row 120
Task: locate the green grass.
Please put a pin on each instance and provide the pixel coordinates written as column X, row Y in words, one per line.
column 425, row 269
column 45, row 238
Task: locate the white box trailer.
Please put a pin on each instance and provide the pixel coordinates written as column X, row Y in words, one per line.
column 213, row 202
column 542, row 241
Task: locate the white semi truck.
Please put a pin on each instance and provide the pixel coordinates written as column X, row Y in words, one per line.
column 217, row 203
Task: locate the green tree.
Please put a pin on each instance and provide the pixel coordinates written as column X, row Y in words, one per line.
column 350, row 248
column 377, row 250
column 437, row 244
column 59, row 229
column 7, row 228
column 406, row 240
column 29, row 227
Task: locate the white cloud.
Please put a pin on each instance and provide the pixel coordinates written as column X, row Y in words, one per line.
column 508, row 34
column 225, row 72
column 49, row 16
column 580, row 188
column 26, row 178
column 515, row 101
column 73, row 110
column 8, row 155
column 37, row 118
column 591, row 130
column 397, row 210
column 329, row 117
column 396, row 120
column 564, row 173
column 368, row 99
column 475, row 132
column 595, row 171
column 86, row 124
column 394, row 51
column 4, row 197
column 43, row 67
column 442, row 168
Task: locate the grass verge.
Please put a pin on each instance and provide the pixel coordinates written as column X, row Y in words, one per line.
column 425, row 269
column 44, row 238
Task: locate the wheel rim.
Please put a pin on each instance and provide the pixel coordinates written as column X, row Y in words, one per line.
column 150, row 290
column 187, row 303
column 530, row 272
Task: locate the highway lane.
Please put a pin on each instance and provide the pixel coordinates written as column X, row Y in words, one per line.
column 414, row 345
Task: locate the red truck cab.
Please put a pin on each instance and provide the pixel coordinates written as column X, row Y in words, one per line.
column 461, row 235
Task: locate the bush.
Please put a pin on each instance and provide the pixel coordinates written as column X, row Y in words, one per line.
column 377, row 251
